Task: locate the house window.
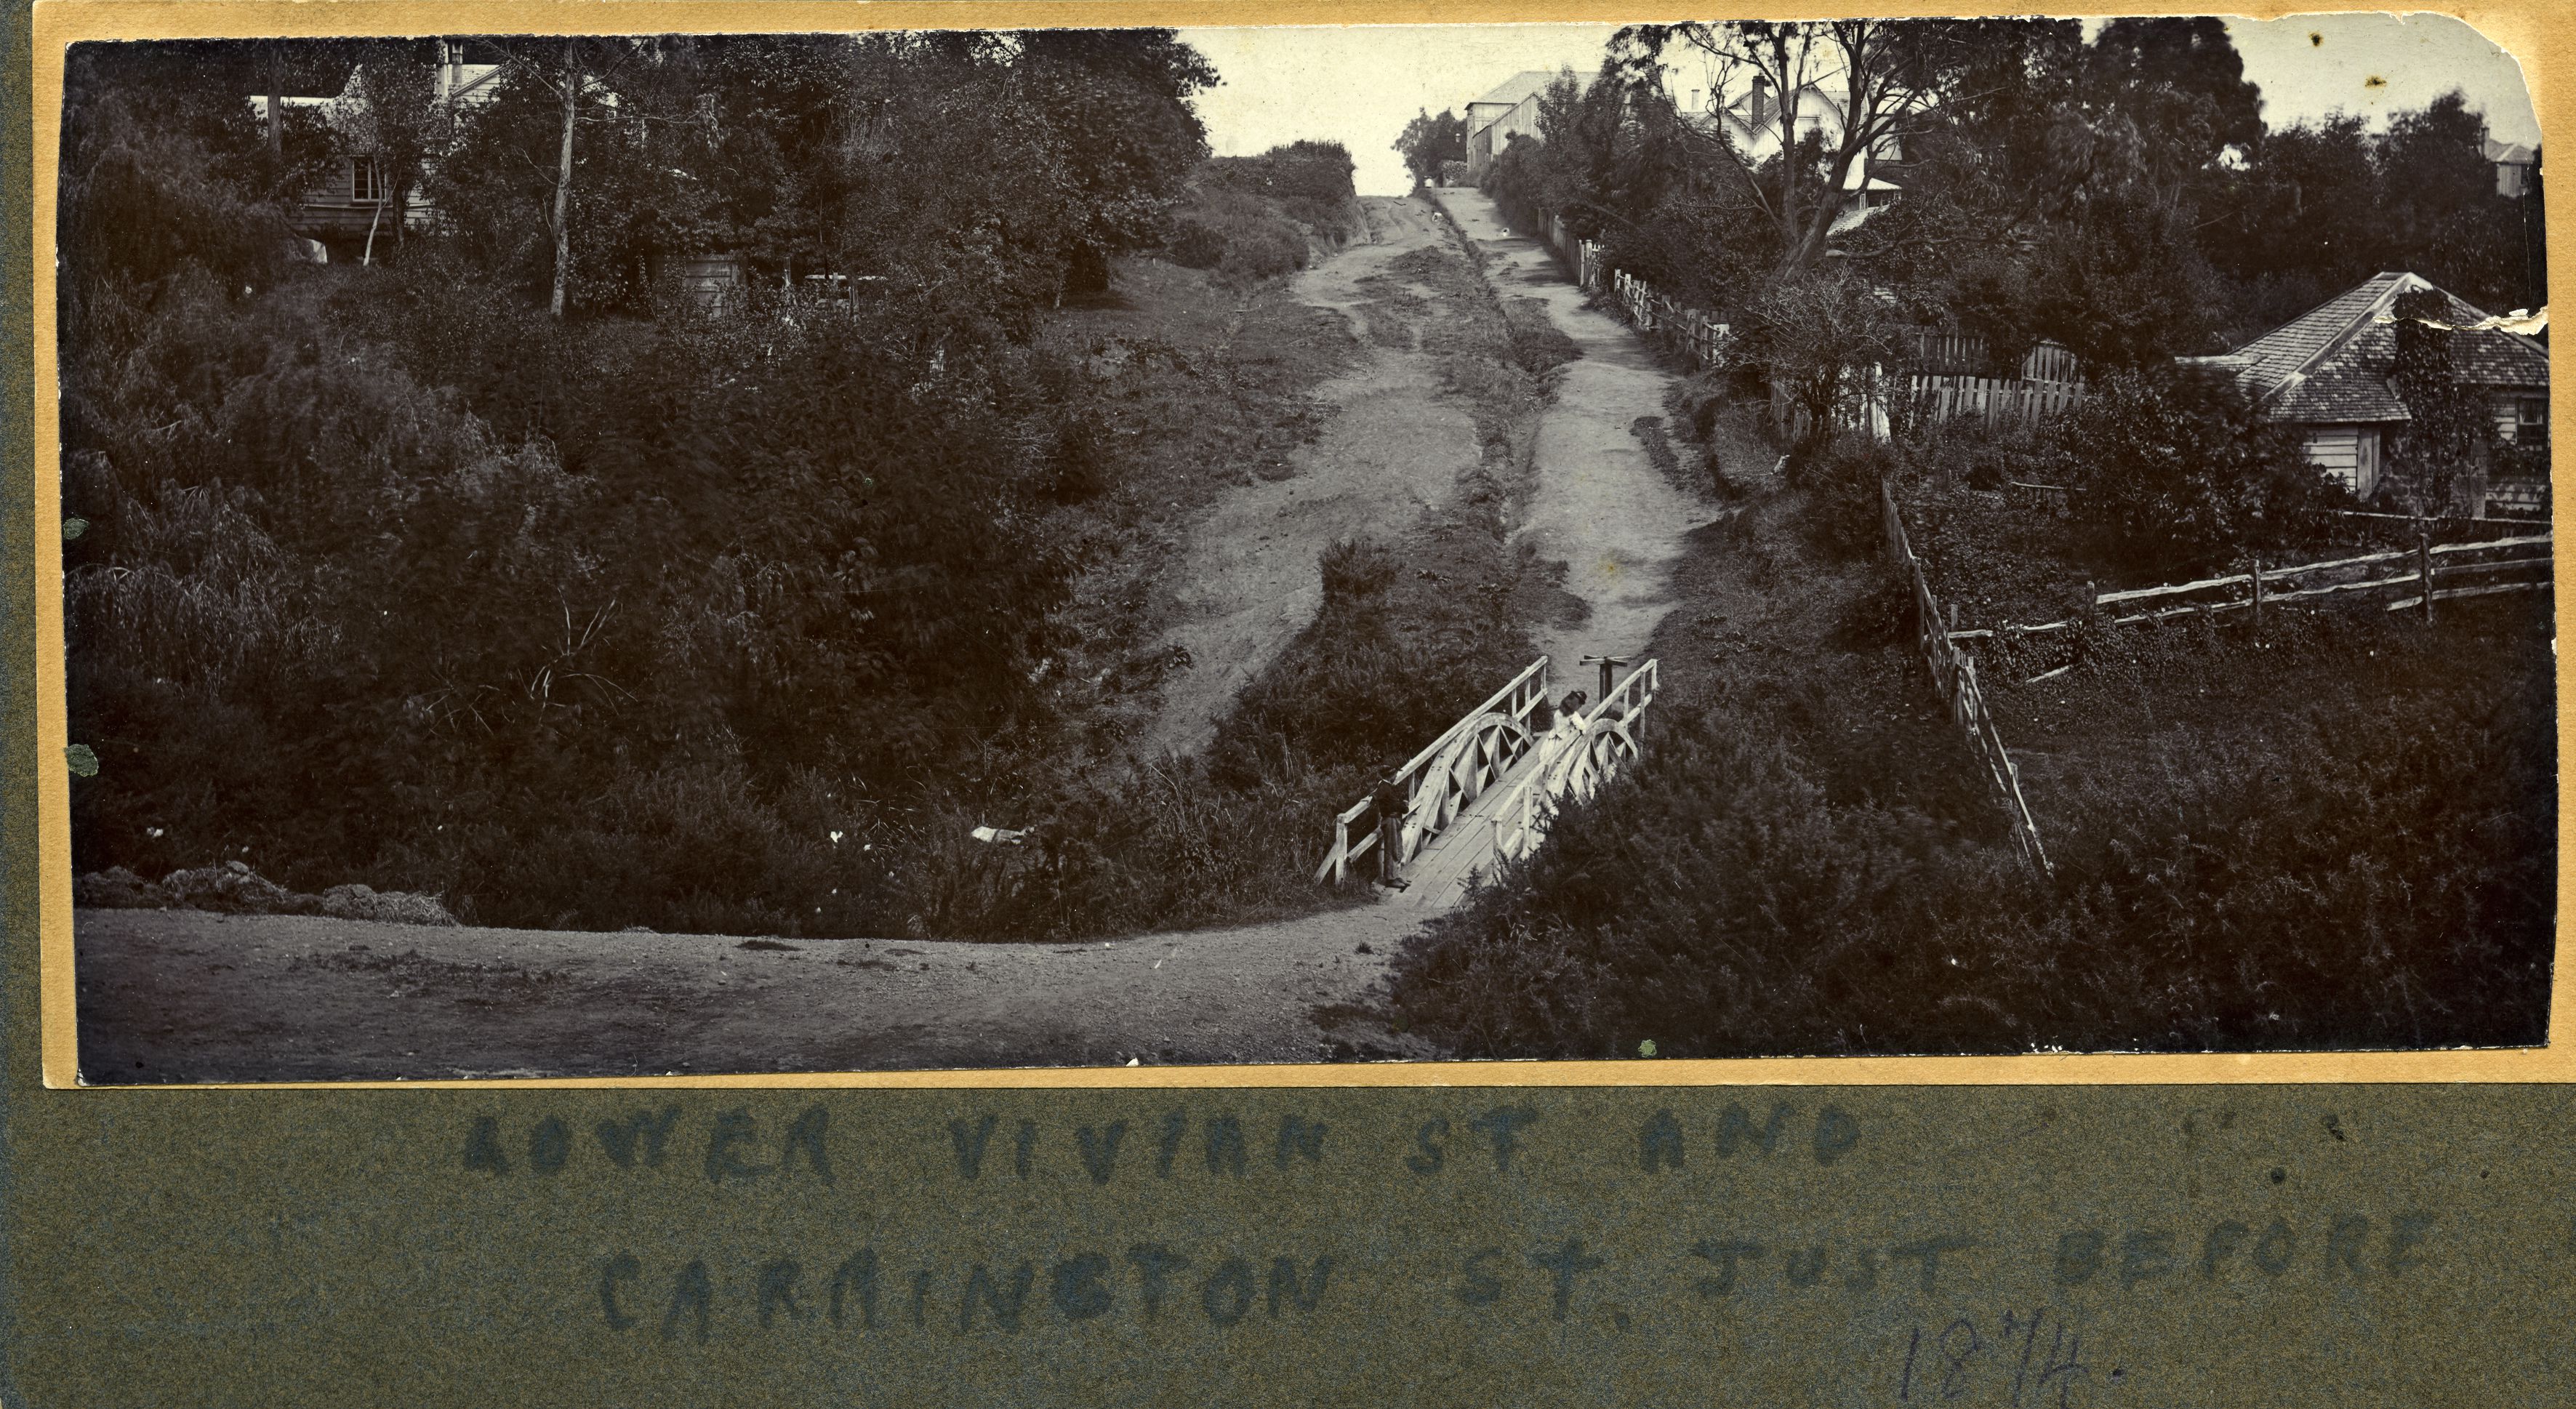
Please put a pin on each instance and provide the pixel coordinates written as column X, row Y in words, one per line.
column 2531, row 420
column 366, row 183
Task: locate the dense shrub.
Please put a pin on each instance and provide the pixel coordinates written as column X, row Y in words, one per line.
column 2372, row 864
column 2181, row 469
column 1841, row 479
column 1310, row 181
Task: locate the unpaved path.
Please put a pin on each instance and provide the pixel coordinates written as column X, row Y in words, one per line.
column 1601, row 507
column 187, row 996
column 1247, row 581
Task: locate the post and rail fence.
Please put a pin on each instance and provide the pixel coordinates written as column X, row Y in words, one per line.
column 2412, row 578
column 1954, row 677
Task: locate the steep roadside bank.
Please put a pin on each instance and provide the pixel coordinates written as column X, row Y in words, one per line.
column 172, row 996
column 1246, row 580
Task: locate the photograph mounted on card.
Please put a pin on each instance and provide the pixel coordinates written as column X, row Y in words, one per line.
column 1319, row 551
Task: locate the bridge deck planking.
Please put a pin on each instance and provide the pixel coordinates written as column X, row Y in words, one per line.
column 1437, row 877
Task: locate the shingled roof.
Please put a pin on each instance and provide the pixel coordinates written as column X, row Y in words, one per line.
column 2331, row 363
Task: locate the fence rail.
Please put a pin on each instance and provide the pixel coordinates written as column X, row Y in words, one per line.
column 2427, row 566
column 1954, row 675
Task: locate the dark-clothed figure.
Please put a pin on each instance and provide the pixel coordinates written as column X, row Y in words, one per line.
column 1388, row 803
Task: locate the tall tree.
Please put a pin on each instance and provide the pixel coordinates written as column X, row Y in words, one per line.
column 1878, row 77
column 1430, row 143
column 1116, row 104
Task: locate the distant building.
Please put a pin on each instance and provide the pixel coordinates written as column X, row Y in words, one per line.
column 1508, row 111
column 2327, row 371
column 1751, row 119
column 2514, row 164
column 354, row 202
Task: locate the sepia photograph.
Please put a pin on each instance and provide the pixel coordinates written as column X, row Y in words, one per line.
column 694, row 554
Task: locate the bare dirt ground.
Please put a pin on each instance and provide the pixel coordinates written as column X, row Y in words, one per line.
column 1247, row 578
column 1602, row 507
column 188, row 996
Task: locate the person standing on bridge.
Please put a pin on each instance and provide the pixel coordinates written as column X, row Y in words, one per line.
column 1388, row 802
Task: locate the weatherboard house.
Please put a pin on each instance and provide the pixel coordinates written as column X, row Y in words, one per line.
column 1509, row 111
column 2327, row 373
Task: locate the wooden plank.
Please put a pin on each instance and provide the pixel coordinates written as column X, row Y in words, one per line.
column 2448, row 594
column 2135, row 594
column 2277, row 574
column 2405, row 580
column 2527, row 541
column 2447, row 569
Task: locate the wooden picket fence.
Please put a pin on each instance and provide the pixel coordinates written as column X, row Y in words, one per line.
column 2049, row 385
column 1954, row 675
column 1998, row 404
column 2410, row 578
column 1964, row 355
column 1653, row 313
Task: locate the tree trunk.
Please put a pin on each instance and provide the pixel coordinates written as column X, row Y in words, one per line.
column 368, row 256
column 563, row 172
column 276, row 100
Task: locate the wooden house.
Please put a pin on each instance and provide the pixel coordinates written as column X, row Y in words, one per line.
column 2327, row 372
column 1507, row 112
column 350, row 213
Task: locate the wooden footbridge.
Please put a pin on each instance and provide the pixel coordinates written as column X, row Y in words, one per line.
column 1485, row 791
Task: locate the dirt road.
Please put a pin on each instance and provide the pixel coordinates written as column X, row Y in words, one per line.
column 187, row 996
column 1247, row 582
column 1602, row 508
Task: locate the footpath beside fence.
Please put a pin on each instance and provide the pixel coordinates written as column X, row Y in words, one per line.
column 1954, row 675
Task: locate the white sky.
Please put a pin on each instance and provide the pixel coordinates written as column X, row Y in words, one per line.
column 1360, row 85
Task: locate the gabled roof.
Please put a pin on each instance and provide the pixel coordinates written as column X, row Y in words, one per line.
column 1516, row 88
column 2508, row 153
column 2331, row 363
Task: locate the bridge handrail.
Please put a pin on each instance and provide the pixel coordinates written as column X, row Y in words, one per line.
column 1633, row 695
column 1502, row 701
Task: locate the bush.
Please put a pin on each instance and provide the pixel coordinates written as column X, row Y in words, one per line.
column 1310, row 181
column 2182, row 472
column 1843, row 510
column 1263, row 252
column 1195, row 244
column 2364, row 859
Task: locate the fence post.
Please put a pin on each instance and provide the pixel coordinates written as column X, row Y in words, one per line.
column 2092, row 600
column 2424, row 570
column 2258, row 592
